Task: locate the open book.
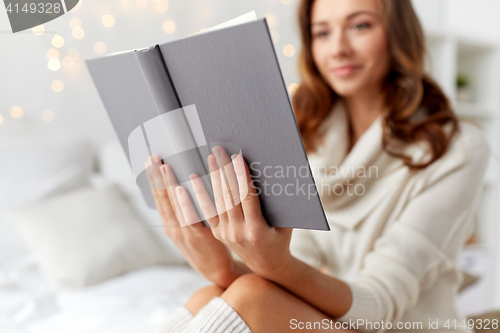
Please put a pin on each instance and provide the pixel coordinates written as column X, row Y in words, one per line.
column 224, row 87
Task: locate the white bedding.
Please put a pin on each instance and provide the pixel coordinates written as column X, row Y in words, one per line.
column 137, row 302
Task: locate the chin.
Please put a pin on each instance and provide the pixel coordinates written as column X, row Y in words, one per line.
column 346, row 90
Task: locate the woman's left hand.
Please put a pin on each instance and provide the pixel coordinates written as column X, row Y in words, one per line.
column 239, row 223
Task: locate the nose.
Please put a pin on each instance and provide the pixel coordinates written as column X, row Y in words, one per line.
column 340, row 45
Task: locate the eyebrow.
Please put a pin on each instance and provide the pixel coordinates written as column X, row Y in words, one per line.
column 348, row 17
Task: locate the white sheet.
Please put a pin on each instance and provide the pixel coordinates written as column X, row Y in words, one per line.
column 134, row 303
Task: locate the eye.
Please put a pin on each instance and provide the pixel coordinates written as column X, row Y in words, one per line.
column 321, row 34
column 361, row 26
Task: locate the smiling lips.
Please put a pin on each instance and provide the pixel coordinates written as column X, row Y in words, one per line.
column 345, row 70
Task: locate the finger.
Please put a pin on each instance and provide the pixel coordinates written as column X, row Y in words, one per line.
column 206, row 204
column 158, row 203
column 243, row 185
column 217, row 189
column 228, row 183
column 161, row 193
column 187, row 208
column 250, row 202
column 235, row 214
column 154, row 168
column 166, row 197
column 172, row 184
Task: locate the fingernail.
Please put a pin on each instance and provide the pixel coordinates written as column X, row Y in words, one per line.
column 235, row 159
column 179, row 190
column 217, row 152
column 193, row 176
column 212, row 163
column 156, row 159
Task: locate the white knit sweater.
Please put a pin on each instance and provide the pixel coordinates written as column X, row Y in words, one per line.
column 396, row 243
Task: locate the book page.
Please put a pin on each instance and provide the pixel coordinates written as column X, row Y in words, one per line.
column 248, row 17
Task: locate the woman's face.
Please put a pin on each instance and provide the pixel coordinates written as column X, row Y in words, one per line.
column 349, row 45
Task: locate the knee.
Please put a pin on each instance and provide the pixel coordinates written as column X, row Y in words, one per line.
column 201, row 297
column 248, row 289
column 252, row 283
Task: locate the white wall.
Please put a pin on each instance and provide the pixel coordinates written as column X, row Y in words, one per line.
column 476, row 18
column 430, row 12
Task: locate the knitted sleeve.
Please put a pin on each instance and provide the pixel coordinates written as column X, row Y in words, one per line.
column 422, row 244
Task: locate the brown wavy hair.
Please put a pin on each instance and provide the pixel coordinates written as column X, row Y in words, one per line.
column 408, row 89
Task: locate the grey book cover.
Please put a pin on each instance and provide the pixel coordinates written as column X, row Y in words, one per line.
column 178, row 99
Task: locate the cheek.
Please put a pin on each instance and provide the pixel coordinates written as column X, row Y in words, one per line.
column 373, row 49
column 319, row 54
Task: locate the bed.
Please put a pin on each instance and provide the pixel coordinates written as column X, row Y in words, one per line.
column 135, row 302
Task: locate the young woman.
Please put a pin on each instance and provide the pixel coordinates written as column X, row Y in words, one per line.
column 389, row 261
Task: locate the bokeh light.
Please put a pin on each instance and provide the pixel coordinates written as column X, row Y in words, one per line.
column 169, row 26
column 141, row 3
column 57, row 85
column 271, row 20
column 78, row 65
column 75, row 22
column 16, row 112
column 78, row 33
column 54, row 64
column 99, row 47
column 289, row 50
column 292, row 88
column 162, row 5
column 38, row 30
column 47, row 115
column 108, row 21
column 53, row 53
column 73, row 54
column 57, row 41
column 1, row 119
column 68, row 62
column 206, row 12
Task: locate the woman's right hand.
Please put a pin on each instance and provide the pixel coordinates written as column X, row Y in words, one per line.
column 196, row 242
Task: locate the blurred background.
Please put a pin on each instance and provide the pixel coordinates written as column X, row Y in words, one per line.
column 60, row 159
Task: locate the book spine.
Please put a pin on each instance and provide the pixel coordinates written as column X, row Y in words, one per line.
column 170, row 135
column 158, row 79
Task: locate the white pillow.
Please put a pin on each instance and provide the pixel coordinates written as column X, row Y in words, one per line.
column 115, row 168
column 86, row 236
column 32, row 168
